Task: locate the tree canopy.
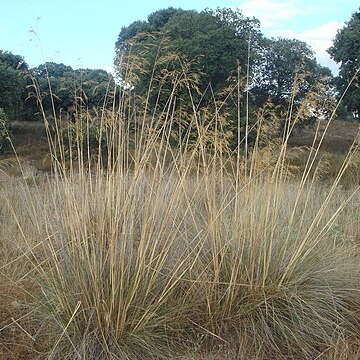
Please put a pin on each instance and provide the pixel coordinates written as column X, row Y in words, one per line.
column 221, row 46
column 61, row 86
column 346, row 51
column 287, row 69
column 56, row 86
column 12, row 83
column 216, row 40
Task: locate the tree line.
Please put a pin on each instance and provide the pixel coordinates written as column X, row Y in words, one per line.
column 52, row 88
column 222, row 44
column 214, row 48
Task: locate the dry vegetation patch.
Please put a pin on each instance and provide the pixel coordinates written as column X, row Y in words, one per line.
column 142, row 263
column 143, row 245
column 339, row 136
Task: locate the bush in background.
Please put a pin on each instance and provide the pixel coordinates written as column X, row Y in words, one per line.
column 4, row 132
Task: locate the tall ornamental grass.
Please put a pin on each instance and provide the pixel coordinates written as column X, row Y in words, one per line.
column 159, row 240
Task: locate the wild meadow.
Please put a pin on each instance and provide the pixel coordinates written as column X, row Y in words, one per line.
column 151, row 239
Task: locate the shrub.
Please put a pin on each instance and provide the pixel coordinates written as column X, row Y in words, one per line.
column 4, row 131
column 85, row 140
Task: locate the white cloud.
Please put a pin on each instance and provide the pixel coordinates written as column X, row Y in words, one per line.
column 271, row 12
column 276, row 15
column 320, row 39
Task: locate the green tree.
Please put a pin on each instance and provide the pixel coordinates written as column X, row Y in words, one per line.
column 216, row 40
column 13, row 83
column 288, row 80
column 346, row 51
column 279, row 68
column 97, row 85
column 227, row 51
column 60, row 87
column 184, row 57
column 4, row 131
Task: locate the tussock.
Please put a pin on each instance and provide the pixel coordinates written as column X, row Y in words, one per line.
column 147, row 244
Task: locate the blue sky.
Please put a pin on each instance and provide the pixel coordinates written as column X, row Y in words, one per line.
column 82, row 33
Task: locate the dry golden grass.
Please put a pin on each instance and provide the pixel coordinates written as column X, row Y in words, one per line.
column 153, row 260
column 134, row 248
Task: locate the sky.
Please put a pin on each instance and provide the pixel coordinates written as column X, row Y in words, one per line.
column 82, row 33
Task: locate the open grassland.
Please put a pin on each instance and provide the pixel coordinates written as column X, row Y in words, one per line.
column 339, row 136
column 31, row 144
column 134, row 248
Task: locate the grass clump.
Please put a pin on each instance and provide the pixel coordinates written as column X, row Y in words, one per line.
column 177, row 247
